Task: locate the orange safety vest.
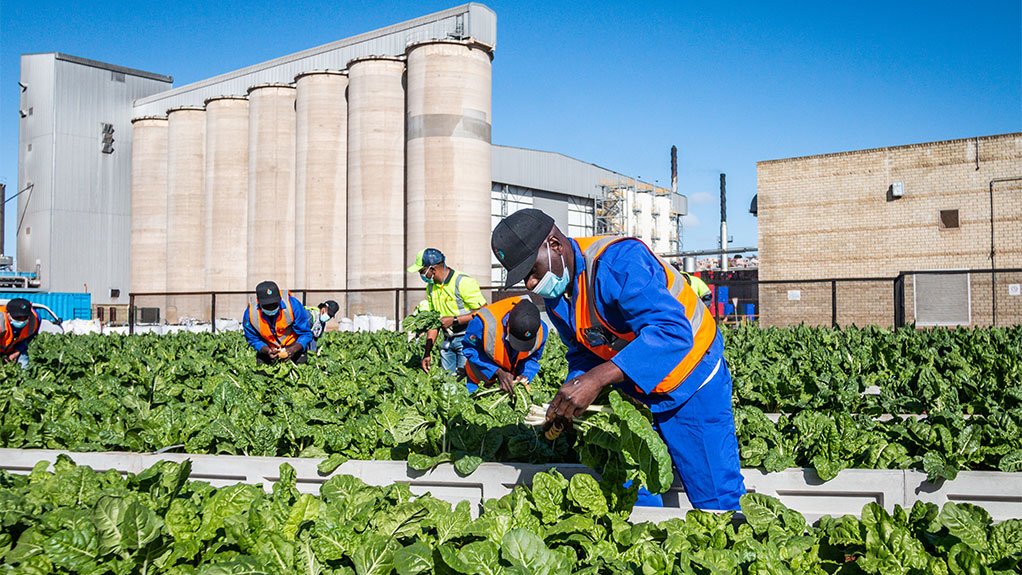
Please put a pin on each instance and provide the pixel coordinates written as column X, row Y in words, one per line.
column 280, row 332
column 493, row 339
column 7, row 338
column 595, row 334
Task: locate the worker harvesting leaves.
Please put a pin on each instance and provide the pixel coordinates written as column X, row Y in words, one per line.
column 453, row 295
column 631, row 320
column 19, row 324
column 318, row 318
column 503, row 344
column 277, row 326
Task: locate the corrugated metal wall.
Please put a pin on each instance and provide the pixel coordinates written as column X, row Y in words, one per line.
column 78, row 223
column 473, row 20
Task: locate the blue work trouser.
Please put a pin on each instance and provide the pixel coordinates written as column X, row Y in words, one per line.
column 700, row 436
column 452, row 354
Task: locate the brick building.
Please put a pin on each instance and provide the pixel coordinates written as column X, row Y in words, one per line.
column 880, row 212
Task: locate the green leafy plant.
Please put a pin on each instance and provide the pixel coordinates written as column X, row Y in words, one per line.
column 74, row 520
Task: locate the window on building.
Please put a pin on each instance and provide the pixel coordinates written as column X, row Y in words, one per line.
column 116, row 76
column 948, row 219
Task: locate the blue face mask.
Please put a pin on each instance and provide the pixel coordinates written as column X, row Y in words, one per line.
column 552, row 286
column 425, row 278
column 18, row 324
column 271, row 313
column 324, row 317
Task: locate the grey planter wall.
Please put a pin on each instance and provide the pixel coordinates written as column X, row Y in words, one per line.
column 799, row 489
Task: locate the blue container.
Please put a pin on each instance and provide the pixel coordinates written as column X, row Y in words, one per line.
column 750, row 309
column 729, row 309
column 65, row 305
column 722, row 294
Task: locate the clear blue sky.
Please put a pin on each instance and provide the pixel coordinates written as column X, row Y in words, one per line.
column 616, row 83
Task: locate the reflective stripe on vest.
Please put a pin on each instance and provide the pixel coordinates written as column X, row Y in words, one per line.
column 593, row 332
column 7, row 338
column 280, row 332
column 493, row 338
column 458, row 300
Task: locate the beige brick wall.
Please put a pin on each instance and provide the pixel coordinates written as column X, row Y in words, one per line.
column 829, row 216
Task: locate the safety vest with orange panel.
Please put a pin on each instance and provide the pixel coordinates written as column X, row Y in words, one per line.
column 290, row 325
column 12, row 339
column 486, row 347
column 680, row 334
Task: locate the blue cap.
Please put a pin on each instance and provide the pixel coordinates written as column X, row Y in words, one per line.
column 425, row 258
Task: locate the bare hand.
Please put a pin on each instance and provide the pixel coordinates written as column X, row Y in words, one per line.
column 573, row 398
column 427, row 361
column 447, row 321
column 14, row 356
column 506, row 381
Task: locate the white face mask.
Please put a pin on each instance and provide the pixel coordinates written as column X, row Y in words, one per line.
column 324, row 317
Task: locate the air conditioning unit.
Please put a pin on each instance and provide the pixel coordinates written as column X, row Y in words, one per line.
column 147, row 315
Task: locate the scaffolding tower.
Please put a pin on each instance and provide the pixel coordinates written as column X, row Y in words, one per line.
column 611, row 210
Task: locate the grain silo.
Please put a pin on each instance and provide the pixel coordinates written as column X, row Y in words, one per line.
column 227, row 200
column 271, row 184
column 149, row 208
column 321, row 179
column 376, row 156
column 186, row 217
column 448, row 153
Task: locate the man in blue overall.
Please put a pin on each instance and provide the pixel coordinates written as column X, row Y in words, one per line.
column 631, row 320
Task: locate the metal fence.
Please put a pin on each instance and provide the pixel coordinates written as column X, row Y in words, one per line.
column 375, row 308
column 925, row 298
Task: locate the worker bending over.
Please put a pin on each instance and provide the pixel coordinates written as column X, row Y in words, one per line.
column 318, row 318
column 19, row 324
column 629, row 319
column 503, row 344
column 277, row 326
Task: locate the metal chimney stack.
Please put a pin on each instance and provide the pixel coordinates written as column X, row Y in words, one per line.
column 3, row 203
column 674, row 169
column 723, row 224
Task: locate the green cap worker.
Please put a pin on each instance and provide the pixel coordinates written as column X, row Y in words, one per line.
column 452, row 294
column 702, row 290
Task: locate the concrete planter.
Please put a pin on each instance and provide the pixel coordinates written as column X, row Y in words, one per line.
column 800, row 489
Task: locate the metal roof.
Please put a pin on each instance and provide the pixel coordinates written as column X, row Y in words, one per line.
column 105, row 66
column 556, row 172
column 474, row 21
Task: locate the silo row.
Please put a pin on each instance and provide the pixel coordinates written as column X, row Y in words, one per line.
column 307, row 184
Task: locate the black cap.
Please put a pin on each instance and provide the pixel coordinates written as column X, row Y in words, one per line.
column 516, row 241
column 523, row 325
column 331, row 307
column 19, row 308
column 267, row 293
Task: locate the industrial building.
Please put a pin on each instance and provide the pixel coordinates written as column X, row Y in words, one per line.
column 951, row 205
column 327, row 168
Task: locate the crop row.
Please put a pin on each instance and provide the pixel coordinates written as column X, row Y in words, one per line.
column 363, row 398
column 74, row 520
